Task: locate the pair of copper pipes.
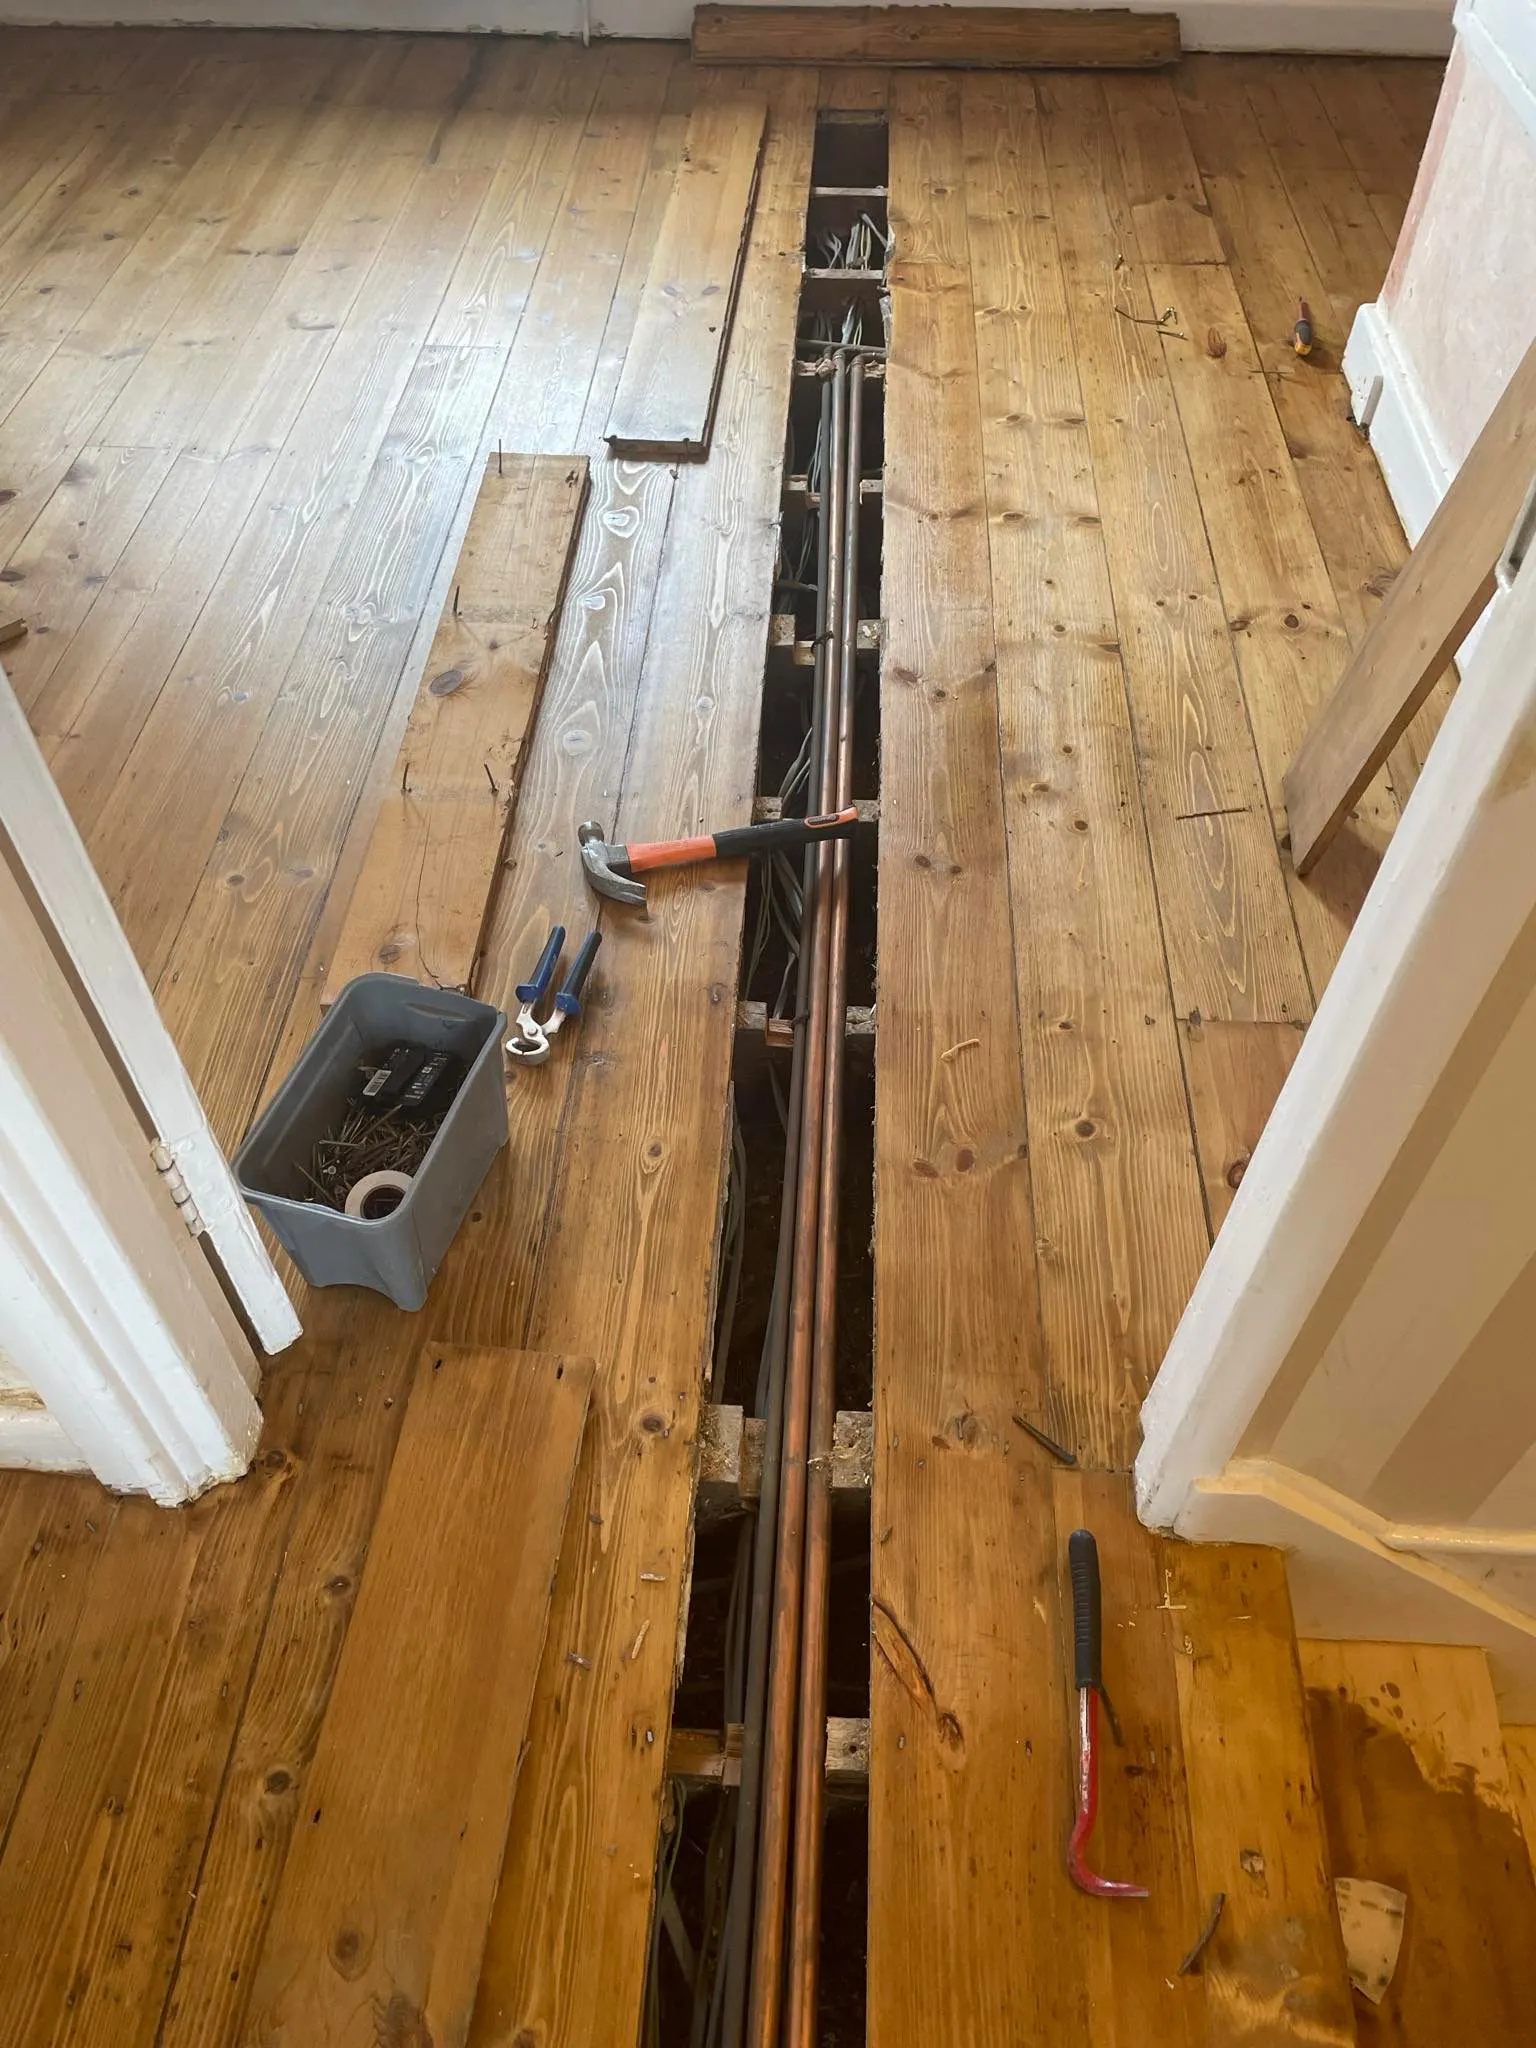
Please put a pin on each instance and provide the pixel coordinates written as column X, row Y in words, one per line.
column 772, row 1952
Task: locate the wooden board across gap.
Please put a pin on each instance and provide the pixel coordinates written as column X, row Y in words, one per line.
column 1437, row 598
column 993, row 38
column 665, row 403
column 381, row 1918
column 424, row 892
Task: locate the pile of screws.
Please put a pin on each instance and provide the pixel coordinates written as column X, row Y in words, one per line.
column 367, row 1143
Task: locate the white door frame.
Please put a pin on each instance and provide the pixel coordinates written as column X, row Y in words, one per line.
column 52, row 856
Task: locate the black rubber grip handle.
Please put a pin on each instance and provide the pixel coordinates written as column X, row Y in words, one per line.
column 568, row 1001
column 784, row 834
column 1087, row 1615
column 544, row 973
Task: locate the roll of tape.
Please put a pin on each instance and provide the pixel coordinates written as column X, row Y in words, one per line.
column 362, row 1196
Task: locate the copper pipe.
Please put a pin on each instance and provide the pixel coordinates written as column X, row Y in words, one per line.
column 741, row 1912
column 811, row 1729
column 766, row 1999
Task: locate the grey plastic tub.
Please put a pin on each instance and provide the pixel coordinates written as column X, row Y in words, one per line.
column 398, row 1254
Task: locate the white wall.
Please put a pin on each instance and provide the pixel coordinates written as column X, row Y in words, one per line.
column 1407, row 27
column 1427, row 361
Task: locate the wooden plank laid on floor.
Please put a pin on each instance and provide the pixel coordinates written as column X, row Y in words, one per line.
column 986, row 37
column 1445, row 587
column 1235, row 1072
column 1274, row 1968
column 1118, row 1215
column 1274, row 585
column 665, row 403
column 969, row 1737
column 382, row 1909
column 1415, row 1785
column 1227, row 921
column 421, row 901
column 645, row 1126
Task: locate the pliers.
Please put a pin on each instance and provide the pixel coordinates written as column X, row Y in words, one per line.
column 530, row 1043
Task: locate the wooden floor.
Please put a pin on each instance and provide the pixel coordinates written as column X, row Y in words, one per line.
column 265, row 301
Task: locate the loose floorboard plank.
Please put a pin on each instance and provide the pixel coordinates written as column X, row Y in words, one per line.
column 1445, row 587
column 1144, row 1834
column 1274, row 1968
column 1120, row 1230
column 986, row 37
column 173, row 792
column 53, row 1531
column 238, row 950
column 1274, row 586
column 665, row 403
column 1346, row 496
column 1169, row 207
column 1235, row 1073
column 421, row 902
column 358, row 1392
column 1417, row 1795
column 95, row 1878
column 385, row 1896
column 1227, row 922
column 968, row 1749
column 567, row 1954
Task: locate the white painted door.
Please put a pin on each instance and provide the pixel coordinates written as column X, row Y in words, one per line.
column 126, row 1250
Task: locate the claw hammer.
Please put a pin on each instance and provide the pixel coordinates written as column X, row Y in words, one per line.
column 612, row 868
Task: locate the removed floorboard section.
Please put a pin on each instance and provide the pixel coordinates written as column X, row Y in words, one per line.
column 990, row 38
column 1415, row 1785
column 1437, row 598
column 422, row 897
column 665, row 404
column 381, row 1917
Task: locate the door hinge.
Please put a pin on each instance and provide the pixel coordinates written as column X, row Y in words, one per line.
column 165, row 1165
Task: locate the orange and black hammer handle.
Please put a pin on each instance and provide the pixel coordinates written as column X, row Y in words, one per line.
column 739, row 842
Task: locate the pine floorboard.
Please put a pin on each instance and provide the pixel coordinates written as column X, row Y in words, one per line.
column 267, row 301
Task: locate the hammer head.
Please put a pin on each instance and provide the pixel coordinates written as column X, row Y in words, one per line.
column 603, row 864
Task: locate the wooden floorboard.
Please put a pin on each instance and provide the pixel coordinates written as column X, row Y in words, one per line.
column 356, row 264
column 957, row 1684
column 381, row 1915
column 1118, row 1221
column 1417, row 1795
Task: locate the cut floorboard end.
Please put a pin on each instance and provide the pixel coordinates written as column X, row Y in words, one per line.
column 990, row 38
column 665, row 404
column 424, row 892
column 381, row 1918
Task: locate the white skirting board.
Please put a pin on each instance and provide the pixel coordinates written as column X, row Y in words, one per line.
column 1386, row 400
column 1405, row 28
column 1347, row 1585
column 31, row 1441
